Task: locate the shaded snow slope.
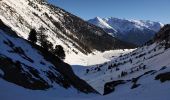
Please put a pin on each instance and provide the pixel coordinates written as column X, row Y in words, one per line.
column 150, row 90
column 32, row 67
column 11, row 91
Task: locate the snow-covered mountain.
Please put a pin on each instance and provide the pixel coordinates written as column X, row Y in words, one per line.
column 61, row 27
column 133, row 31
column 101, row 23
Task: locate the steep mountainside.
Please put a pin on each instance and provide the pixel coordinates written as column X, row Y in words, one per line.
column 133, row 31
column 19, row 65
column 74, row 34
column 130, row 74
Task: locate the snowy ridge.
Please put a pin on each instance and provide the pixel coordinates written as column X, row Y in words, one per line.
column 124, row 25
column 155, row 26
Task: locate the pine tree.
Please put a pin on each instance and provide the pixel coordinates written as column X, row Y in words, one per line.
column 32, row 36
column 59, row 51
column 42, row 37
column 45, row 43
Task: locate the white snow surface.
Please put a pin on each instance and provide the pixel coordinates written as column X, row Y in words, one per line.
column 95, row 57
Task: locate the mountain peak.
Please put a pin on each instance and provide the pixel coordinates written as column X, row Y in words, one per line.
column 101, row 23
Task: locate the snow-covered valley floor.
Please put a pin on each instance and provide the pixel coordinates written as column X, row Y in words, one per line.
column 95, row 57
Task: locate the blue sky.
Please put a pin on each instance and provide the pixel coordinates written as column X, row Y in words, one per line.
column 155, row 10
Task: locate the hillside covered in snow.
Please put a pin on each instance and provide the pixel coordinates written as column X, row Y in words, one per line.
column 143, row 73
column 19, row 65
column 133, row 31
column 62, row 28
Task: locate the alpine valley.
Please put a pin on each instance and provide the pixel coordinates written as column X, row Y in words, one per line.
column 47, row 53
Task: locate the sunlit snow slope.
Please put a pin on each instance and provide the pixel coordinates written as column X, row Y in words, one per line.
column 62, row 28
